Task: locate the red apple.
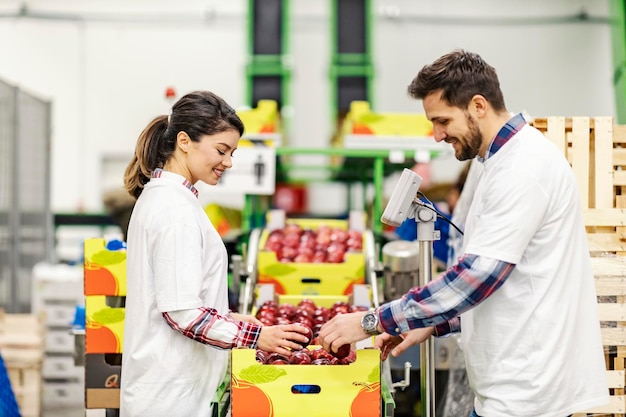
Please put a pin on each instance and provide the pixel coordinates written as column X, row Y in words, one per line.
column 319, row 257
column 342, row 352
column 277, row 359
column 300, row 358
column 261, row 356
column 319, row 353
column 303, row 259
column 338, row 235
column 350, row 358
column 283, row 320
column 309, row 335
column 287, row 310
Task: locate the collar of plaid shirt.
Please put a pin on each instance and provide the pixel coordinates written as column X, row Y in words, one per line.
column 159, row 172
column 510, row 128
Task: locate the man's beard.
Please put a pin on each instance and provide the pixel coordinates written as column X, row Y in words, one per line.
column 473, row 140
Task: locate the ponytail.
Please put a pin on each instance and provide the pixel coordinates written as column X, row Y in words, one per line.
column 151, row 152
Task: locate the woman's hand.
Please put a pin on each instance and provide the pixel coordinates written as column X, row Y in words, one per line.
column 283, row 338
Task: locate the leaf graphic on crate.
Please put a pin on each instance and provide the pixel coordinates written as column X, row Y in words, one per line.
column 371, row 118
column 279, row 269
column 105, row 257
column 109, row 315
column 259, row 374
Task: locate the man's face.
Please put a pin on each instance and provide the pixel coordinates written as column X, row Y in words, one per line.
column 454, row 126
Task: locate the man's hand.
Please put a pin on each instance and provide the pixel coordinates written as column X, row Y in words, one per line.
column 343, row 329
column 396, row 345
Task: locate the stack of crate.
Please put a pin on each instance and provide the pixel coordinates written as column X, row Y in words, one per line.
column 105, row 294
column 595, row 147
column 22, row 349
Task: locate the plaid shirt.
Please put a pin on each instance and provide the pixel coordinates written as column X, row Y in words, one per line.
column 474, row 278
column 222, row 332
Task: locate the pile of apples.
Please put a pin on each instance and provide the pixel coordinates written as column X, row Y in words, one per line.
column 317, row 356
column 313, row 317
column 294, row 243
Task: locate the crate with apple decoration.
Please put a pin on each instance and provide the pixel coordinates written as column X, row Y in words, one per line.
column 285, row 390
column 312, row 256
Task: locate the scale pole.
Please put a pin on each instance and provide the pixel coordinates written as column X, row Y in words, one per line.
column 426, row 234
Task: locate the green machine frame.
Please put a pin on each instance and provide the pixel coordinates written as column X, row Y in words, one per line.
column 267, row 74
column 351, row 69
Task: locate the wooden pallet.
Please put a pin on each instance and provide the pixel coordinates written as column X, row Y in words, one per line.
column 596, row 149
column 610, row 279
column 22, row 349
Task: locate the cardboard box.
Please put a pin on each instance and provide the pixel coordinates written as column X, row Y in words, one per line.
column 105, row 270
column 263, row 119
column 103, row 374
column 361, row 120
column 104, row 327
column 305, row 390
column 306, row 278
column 361, row 296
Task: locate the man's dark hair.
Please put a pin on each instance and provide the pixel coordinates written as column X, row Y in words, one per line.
column 460, row 75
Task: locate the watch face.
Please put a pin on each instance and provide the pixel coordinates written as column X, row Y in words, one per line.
column 369, row 321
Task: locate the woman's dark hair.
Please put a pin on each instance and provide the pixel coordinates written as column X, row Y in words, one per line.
column 197, row 113
column 460, row 75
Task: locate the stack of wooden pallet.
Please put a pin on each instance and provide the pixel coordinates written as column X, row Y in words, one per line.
column 596, row 149
column 22, row 349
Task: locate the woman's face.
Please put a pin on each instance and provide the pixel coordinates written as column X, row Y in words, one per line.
column 211, row 156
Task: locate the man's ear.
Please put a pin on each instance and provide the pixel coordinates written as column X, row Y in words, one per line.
column 478, row 105
column 183, row 140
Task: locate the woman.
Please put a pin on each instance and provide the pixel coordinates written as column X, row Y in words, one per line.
column 178, row 329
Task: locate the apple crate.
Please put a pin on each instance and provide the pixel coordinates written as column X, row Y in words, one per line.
column 307, row 390
column 104, row 327
column 361, row 296
column 311, row 278
column 105, row 270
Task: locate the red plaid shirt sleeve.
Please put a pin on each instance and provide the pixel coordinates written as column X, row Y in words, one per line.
column 206, row 326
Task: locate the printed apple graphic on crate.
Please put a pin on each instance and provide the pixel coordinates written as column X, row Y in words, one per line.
column 367, row 401
column 100, row 280
column 248, row 399
column 100, row 336
column 105, row 270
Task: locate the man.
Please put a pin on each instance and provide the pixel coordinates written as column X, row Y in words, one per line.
column 522, row 291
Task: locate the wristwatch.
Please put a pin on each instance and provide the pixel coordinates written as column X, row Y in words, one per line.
column 369, row 323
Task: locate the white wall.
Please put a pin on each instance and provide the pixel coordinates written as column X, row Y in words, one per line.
column 105, row 68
